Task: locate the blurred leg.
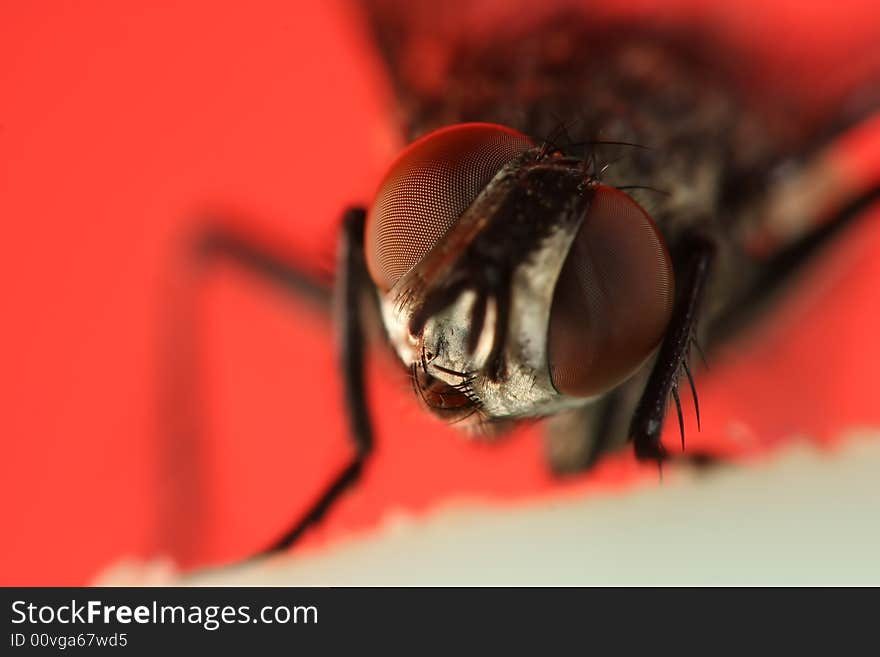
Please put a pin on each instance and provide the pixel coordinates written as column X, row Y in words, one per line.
column 216, row 243
column 352, row 282
column 182, row 442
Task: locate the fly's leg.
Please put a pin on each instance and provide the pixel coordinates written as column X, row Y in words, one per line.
column 182, row 445
column 832, row 186
column 352, row 281
column 803, row 216
column 831, row 192
column 182, row 497
column 577, row 440
column 216, row 243
column 698, row 253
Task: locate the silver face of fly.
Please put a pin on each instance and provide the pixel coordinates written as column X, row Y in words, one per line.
column 442, row 348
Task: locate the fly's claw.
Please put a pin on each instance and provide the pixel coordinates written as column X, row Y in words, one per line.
column 684, row 369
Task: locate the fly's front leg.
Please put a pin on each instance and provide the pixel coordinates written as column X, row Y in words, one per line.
column 182, row 443
column 218, row 243
column 182, row 499
column 352, row 284
column 833, row 186
column 698, row 253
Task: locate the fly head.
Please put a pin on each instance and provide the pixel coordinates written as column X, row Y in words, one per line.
column 512, row 282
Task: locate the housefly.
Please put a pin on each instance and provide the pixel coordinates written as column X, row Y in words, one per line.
column 584, row 204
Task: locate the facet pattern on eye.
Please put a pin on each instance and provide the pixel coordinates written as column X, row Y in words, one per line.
column 428, row 188
column 613, row 299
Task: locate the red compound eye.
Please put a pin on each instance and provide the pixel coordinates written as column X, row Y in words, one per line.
column 428, row 188
column 613, row 299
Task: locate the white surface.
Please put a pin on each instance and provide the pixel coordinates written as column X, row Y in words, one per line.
column 805, row 517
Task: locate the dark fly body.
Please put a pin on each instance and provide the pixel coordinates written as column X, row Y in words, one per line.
column 585, row 205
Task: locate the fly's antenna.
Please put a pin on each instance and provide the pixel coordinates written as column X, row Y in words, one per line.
column 560, row 133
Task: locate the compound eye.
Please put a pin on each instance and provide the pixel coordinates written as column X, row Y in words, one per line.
column 427, row 189
column 613, row 299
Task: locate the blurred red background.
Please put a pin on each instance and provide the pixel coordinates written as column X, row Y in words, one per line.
column 120, row 120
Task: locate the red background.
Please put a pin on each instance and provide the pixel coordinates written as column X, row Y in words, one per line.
column 119, row 120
